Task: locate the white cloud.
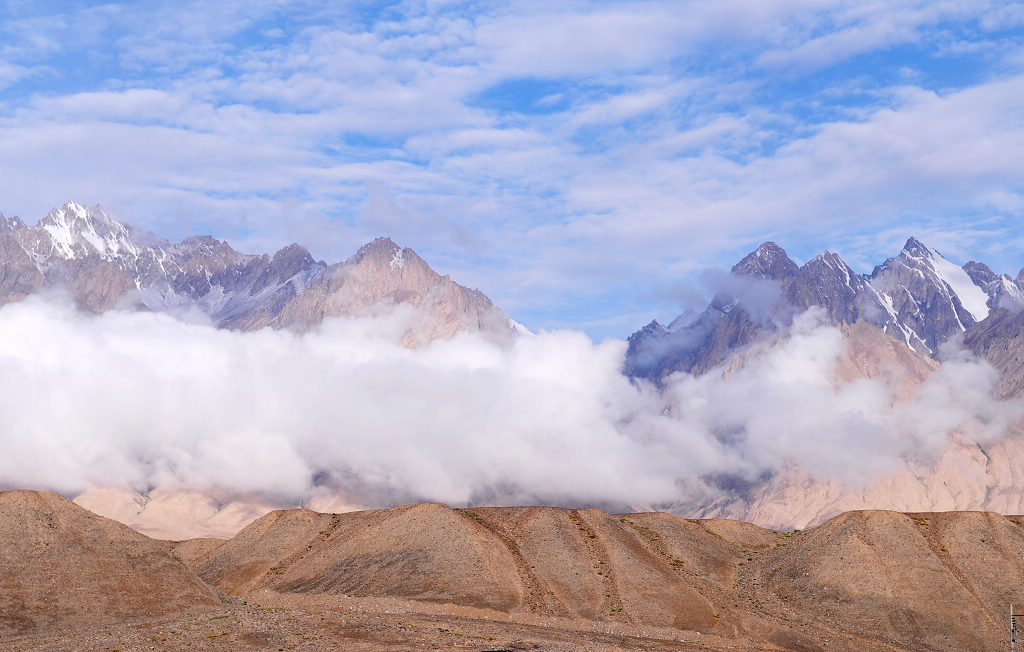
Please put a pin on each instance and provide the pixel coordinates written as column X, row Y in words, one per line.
column 142, row 400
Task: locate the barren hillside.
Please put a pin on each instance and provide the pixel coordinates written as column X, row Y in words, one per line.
column 507, row 579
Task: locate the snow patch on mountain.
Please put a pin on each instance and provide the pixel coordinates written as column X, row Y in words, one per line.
column 972, row 297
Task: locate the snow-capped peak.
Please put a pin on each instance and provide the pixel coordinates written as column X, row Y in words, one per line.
column 75, row 231
column 972, row 298
column 914, row 248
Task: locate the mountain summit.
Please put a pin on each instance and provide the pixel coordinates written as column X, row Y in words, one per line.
column 767, row 261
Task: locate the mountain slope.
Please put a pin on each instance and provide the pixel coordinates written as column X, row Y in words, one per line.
column 932, row 299
column 915, row 581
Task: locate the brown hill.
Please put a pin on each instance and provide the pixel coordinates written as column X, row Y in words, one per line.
column 430, row 576
column 940, row 581
column 873, row 580
column 639, row 569
column 62, row 566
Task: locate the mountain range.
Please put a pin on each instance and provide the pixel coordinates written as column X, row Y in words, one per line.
column 104, row 264
column 899, row 323
column 918, row 297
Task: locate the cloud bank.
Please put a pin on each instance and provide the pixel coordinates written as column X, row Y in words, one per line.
column 142, row 400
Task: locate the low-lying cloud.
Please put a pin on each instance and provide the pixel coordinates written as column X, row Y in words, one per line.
column 142, row 400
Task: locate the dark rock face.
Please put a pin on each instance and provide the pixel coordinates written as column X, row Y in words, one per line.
column 655, row 352
column 768, row 261
column 918, row 297
column 847, row 297
column 105, row 264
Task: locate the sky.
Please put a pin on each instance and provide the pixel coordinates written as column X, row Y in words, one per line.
column 582, row 163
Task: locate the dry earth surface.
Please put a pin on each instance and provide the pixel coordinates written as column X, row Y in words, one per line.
column 430, row 577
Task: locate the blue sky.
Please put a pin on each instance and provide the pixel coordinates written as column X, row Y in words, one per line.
column 581, row 163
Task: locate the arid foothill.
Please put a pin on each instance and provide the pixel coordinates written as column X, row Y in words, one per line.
column 427, row 576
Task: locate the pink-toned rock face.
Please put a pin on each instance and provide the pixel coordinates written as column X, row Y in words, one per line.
column 104, row 264
column 382, row 274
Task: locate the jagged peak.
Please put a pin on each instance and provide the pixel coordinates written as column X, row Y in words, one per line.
column 207, row 240
column 76, row 230
column 975, row 266
column 981, row 274
column 913, row 250
column 917, row 249
column 828, row 256
column 769, row 261
column 75, row 216
column 294, row 250
column 769, row 248
column 654, row 329
column 11, row 222
column 291, row 259
column 382, row 243
column 384, row 251
column 829, row 259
